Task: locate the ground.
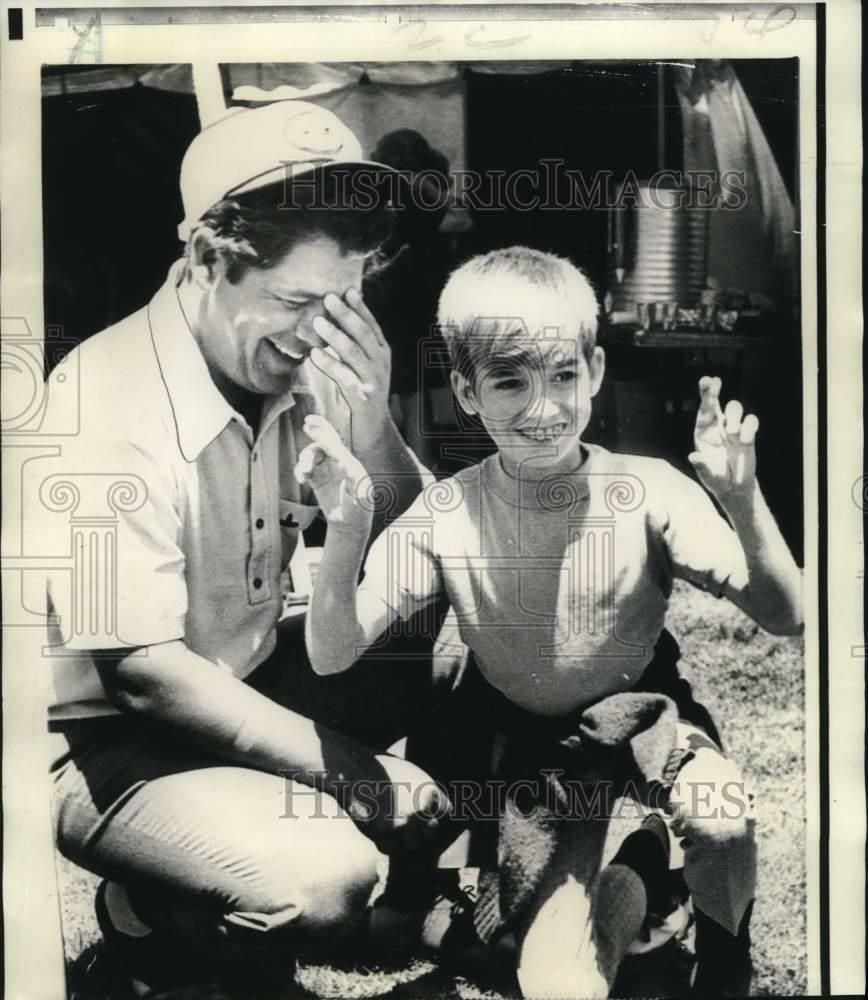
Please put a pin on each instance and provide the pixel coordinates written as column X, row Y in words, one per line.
column 754, row 685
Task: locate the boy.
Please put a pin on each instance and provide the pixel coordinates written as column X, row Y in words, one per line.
column 558, row 558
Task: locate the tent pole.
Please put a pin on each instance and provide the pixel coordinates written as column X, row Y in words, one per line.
column 208, row 85
column 661, row 116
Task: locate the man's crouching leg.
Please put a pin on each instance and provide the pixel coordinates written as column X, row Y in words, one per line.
column 252, row 872
column 307, row 880
column 712, row 810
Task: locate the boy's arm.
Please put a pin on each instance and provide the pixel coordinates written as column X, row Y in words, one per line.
column 358, row 359
column 769, row 587
column 341, row 620
column 392, row 466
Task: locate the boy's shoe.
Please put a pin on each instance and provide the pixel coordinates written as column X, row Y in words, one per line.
column 435, row 917
column 447, row 927
column 659, row 931
column 450, row 937
column 723, row 963
column 409, row 901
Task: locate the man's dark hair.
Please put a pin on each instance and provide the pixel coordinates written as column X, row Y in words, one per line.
column 253, row 230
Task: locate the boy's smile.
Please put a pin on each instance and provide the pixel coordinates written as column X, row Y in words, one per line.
column 544, row 433
column 535, row 404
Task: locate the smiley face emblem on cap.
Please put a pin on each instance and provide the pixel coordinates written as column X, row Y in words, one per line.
column 313, row 132
column 252, row 147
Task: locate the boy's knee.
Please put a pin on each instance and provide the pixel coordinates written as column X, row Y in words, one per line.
column 713, row 804
column 719, row 832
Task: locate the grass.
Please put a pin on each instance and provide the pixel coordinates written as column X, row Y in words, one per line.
column 754, row 685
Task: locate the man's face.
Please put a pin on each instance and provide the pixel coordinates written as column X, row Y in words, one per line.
column 251, row 329
column 537, row 405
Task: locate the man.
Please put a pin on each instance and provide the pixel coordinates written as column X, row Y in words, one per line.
column 191, row 767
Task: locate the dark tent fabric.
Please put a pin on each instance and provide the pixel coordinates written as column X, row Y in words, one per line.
column 114, row 138
column 110, row 201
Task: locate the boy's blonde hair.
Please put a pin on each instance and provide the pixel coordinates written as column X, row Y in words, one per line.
column 477, row 324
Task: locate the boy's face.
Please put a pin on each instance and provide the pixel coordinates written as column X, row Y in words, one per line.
column 536, row 405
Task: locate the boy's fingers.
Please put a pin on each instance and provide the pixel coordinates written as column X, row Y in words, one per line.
column 732, row 416
column 709, row 408
column 324, row 436
column 322, row 428
column 311, row 456
column 710, row 386
column 749, row 427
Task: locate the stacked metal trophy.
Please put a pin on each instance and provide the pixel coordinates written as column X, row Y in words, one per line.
column 657, row 248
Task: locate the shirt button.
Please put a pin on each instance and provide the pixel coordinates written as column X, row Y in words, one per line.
column 255, row 455
column 257, row 583
column 260, row 523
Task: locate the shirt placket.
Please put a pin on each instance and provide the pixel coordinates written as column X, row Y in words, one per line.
column 259, row 567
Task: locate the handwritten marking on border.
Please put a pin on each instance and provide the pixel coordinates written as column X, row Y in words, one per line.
column 492, row 43
column 421, row 27
column 776, row 20
column 90, row 33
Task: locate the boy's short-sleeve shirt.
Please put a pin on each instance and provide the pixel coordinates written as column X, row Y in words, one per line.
column 560, row 586
column 180, row 522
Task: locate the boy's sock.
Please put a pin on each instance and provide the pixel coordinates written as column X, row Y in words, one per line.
column 620, row 908
column 646, row 852
column 634, row 885
column 723, row 964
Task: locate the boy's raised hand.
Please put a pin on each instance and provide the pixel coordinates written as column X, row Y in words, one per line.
column 337, row 477
column 725, row 457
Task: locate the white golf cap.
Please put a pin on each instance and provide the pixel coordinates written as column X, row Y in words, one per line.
column 251, row 148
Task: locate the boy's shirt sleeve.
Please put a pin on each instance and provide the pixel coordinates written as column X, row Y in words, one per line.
column 703, row 548
column 402, row 569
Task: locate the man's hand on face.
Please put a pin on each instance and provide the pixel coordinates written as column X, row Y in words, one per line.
column 350, row 348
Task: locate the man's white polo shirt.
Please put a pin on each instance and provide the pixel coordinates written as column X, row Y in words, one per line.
column 193, row 520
